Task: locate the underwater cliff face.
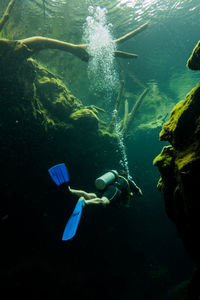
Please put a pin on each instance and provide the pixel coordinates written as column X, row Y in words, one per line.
column 179, row 165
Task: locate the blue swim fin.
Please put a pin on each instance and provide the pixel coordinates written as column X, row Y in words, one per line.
column 72, row 224
column 59, row 174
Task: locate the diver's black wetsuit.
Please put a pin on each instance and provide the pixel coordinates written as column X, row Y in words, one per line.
column 118, row 192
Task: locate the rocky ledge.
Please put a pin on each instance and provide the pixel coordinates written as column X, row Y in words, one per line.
column 179, row 166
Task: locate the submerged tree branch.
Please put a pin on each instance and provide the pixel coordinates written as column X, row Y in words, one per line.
column 125, row 120
column 6, row 15
column 117, row 104
column 122, row 54
column 119, row 97
column 131, row 115
column 131, row 34
column 38, row 43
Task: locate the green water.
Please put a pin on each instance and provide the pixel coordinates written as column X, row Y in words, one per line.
column 140, row 256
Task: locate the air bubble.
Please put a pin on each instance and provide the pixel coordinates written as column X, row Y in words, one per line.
column 102, row 71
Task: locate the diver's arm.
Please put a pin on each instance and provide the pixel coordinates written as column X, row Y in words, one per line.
column 135, row 188
column 138, row 190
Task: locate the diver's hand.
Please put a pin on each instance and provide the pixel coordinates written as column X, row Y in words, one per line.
column 139, row 192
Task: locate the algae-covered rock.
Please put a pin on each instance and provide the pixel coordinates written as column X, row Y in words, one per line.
column 85, row 117
column 183, row 123
column 179, row 165
column 194, row 61
column 167, row 183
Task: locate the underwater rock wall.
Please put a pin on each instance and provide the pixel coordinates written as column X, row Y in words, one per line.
column 179, row 165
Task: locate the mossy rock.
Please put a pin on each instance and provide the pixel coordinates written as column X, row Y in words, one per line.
column 54, row 95
column 165, row 159
column 179, row 165
column 181, row 127
column 85, row 118
column 194, row 61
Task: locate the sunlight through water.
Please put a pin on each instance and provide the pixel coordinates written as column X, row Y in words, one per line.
column 151, row 8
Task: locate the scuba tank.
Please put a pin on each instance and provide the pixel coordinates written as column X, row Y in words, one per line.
column 106, row 179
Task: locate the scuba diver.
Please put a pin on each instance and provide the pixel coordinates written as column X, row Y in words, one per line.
column 112, row 189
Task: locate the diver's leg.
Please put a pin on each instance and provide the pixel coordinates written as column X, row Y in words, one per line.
column 100, row 201
column 80, row 193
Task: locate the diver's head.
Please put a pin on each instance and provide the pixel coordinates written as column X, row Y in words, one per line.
column 123, row 173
